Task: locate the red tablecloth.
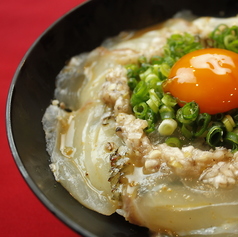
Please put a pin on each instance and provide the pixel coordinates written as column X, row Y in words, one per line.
column 21, row 22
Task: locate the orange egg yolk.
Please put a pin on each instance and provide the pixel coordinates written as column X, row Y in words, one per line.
column 207, row 76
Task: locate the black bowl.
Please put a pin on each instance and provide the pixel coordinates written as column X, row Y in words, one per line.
column 31, row 91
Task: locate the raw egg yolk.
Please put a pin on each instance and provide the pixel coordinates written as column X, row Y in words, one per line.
column 207, row 76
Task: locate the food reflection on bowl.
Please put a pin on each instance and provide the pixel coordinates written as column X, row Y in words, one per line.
column 81, row 30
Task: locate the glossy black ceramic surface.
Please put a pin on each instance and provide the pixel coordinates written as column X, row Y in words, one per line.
column 32, row 88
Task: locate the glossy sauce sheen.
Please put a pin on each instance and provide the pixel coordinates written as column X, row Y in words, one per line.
column 207, row 76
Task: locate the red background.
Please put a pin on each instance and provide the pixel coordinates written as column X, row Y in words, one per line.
column 21, row 23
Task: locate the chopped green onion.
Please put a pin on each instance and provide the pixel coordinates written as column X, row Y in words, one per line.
column 149, row 102
column 178, row 45
column 202, row 122
column 170, row 61
column 225, row 37
column 217, row 35
column 144, row 67
column 154, row 101
column 188, row 113
column 228, row 40
column 159, row 88
column 152, row 105
column 156, row 60
column 150, row 77
column 142, row 59
column 150, row 128
column 235, row 131
column 155, row 69
column 233, row 46
column 169, row 100
column 180, row 117
column 132, row 70
column 132, row 82
column 235, row 118
column 214, row 136
column 232, row 139
column 167, row 127
column 228, row 122
column 166, row 112
column 152, row 80
column 218, row 116
column 173, row 142
column 151, row 119
column 140, row 93
column 140, row 110
column 187, row 131
column 165, row 69
column 145, row 73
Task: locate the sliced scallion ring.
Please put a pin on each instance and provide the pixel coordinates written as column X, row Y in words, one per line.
column 167, row 127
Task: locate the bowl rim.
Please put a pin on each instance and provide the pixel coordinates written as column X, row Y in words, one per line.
column 9, row 131
column 11, row 142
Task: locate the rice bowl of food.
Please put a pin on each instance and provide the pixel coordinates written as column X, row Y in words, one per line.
column 134, row 130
